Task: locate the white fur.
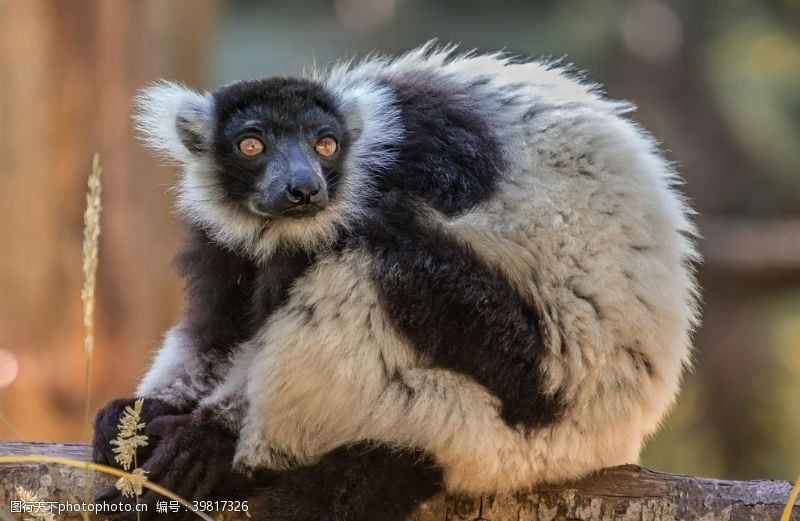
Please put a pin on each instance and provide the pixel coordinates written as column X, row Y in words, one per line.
column 177, row 374
column 316, row 376
column 158, row 107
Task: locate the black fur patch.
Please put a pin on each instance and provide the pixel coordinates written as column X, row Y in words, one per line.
column 281, row 96
column 218, row 288
column 461, row 314
column 360, row 482
column 228, row 297
column 449, row 156
column 639, row 359
column 275, row 279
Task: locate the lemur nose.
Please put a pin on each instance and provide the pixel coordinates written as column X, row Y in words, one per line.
column 306, row 190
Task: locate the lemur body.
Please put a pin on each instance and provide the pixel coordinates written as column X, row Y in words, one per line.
column 497, row 284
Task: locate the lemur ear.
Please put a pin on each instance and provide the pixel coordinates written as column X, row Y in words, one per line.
column 175, row 121
column 373, row 119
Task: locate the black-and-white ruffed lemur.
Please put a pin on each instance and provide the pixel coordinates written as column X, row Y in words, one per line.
column 437, row 272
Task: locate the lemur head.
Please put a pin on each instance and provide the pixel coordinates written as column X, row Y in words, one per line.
column 270, row 163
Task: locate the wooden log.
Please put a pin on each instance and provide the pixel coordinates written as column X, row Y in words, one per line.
column 620, row 493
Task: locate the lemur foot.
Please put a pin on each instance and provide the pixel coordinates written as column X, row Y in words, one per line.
column 193, row 458
column 106, row 427
column 359, row 482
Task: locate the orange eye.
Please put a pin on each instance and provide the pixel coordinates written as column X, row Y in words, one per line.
column 326, row 146
column 251, row 146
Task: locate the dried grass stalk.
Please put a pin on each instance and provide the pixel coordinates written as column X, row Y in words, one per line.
column 132, row 485
column 787, row 511
column 91, row 245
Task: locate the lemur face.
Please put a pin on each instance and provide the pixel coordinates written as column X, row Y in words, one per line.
column 279, row 147
column 271, row 163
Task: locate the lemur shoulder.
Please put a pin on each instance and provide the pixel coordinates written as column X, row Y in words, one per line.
column 443, row 270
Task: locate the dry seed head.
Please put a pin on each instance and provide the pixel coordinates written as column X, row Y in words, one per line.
column 129, row 439
column 35, row 514
column 132, row 485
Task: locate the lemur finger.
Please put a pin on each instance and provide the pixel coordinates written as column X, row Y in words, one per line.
column 167, row 456
column 173, row 475
column 166, row 426
column 102, row 452
column 190, row 481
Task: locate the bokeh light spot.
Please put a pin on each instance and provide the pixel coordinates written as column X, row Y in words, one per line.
column 651, row 30
column 9, row 367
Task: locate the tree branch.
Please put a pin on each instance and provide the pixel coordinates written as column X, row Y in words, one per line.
column 619, row 493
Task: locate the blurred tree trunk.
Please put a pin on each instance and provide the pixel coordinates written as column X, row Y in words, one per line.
column 68, row 72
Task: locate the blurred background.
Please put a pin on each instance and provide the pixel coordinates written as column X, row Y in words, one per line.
column 718, row 81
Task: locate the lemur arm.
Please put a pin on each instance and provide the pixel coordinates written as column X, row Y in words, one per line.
column 217, row 317
column 204, row 368
column 463, row 315
column 194, row 356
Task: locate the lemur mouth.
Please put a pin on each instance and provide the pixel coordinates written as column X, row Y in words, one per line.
column 300, row 212
column 295, row 212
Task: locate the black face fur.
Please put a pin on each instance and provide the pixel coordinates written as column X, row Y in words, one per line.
column 288, row 116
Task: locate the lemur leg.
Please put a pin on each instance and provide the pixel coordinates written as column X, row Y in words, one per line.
column 363, row 481
column 178, row 377
column 358, row 482
column 484, row 406
column 451, row 417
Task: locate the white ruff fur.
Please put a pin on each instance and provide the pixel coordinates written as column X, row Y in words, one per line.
column 585, row 224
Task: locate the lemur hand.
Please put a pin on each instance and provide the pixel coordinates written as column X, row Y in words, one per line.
column 106, row 427
column 192, row 457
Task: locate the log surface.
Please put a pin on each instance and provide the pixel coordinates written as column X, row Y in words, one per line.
column 620, row 493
